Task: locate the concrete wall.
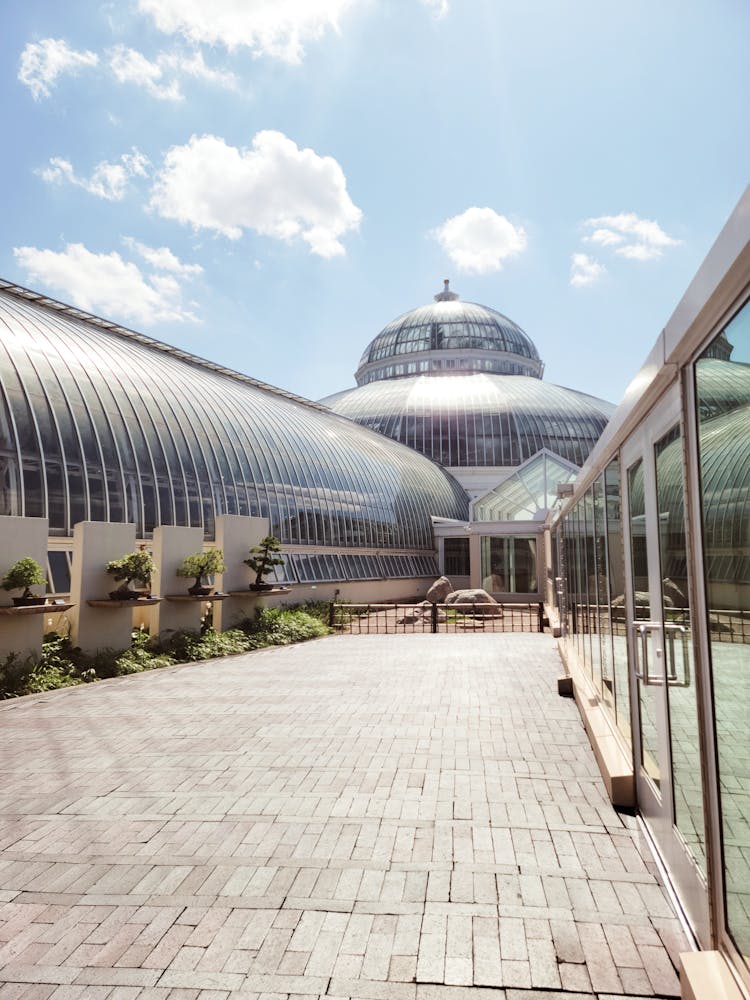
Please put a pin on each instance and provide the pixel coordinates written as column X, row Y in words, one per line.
column 95, row 543
column 22, row 537
column 235, row 536
column 170, row 546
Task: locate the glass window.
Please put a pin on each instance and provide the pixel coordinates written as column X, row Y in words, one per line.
column 456, row 557
column 509, row 564
column 722, row 378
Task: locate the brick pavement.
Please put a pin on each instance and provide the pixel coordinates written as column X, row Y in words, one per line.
column 375, row 817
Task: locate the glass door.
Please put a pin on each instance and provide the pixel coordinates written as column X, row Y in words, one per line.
column 665, row 725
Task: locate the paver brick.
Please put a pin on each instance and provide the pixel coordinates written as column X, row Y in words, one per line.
column 370, row 817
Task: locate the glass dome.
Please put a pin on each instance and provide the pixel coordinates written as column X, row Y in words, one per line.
column 478, row 420
column 100, row 423
column 447, row 337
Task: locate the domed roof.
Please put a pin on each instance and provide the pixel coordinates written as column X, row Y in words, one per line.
column 449, row 336
column 480, row 419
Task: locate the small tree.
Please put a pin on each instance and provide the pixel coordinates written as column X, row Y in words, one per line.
column 24, row 574
column 201, row 565
column 134, row 566
column 264, row 557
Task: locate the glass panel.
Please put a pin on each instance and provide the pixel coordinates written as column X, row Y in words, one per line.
column 683, row 705
column 456, row 556
column 723, row 398
column 617, row 604
column 509, row 564
column 647, row 693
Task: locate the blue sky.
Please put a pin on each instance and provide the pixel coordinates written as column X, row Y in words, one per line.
column 267, row 183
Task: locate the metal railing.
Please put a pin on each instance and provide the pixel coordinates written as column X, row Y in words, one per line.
column 400, row 619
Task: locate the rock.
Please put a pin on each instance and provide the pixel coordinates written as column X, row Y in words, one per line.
column 439, row 590
column 469, row 597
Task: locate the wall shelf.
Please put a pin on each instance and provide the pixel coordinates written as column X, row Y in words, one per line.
column 36, row 609
column 260, row 593
column 141, row 602
column 195, row 597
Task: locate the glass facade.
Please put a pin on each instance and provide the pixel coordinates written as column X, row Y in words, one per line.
column 452, row 326
column 509, row 564
column 456, row 557
column 97, row 423
column 528, row 494
column 589, row 540
column 478, row 420
column 722, row 381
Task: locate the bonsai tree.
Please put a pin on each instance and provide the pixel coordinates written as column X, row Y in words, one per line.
column 134, row 566
column 201, row 565
column 263, row 558
column 24, row 574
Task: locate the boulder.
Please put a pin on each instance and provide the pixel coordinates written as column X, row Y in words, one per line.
column 439, row 590
column 474, row 597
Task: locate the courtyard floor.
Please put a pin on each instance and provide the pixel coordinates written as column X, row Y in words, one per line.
column 376, row 817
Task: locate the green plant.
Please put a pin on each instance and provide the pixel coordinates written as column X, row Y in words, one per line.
column 278, row 627
column 134, row 566
column 264, row 557
column 201, row 565
column 24, row 574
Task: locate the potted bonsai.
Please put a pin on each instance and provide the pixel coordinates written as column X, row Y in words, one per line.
column 135, row 566
column 23, row 575
column 262, row 559
column 201, row 565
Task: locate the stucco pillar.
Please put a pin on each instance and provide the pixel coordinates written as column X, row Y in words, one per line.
column 475, row 560
column 170, row 546
column 235, row 536
column 22, row 537
column 95, row 543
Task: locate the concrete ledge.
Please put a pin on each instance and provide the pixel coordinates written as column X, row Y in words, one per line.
column 614, row 763
column 705, row 975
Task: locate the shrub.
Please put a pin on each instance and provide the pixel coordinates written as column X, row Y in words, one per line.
column 135, row 566
column 23, row 575
column 201, row 565
column 187, row 647
column 278, row 627
column 264, row 557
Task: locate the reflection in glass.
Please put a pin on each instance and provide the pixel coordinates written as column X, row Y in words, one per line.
column 617, row 589
column 647, row 693
column 680, row 674
column 723, row 397
column 509, row 565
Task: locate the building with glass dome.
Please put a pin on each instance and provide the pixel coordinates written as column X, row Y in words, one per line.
column 99, row 423
column 462, row 384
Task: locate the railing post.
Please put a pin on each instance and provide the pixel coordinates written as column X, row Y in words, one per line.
column 331, row 615
column 433, row 619
column 541, row 616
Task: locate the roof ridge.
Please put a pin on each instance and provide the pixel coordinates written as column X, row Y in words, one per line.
column 73, row 312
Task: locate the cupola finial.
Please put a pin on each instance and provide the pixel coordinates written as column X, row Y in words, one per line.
column 446, row 295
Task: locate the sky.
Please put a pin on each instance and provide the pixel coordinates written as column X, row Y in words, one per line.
column 267, row 183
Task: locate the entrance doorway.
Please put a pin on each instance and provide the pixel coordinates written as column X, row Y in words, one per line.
column 666, row 739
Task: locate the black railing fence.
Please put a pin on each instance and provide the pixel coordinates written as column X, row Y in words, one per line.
column 398, row 619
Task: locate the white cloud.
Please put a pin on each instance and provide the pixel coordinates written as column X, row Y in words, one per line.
column 43, row 62
column 632, row 237
column 162, row 258
column 274, row 188
column 584, row 270
column 479, row 240
column 439, row 7
column 277, row 28
column 160, row 76
column 108, row 180
column 105, row 283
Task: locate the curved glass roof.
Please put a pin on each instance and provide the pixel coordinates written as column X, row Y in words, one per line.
column 480, row 419
column 445, row 326
column 100, row 423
